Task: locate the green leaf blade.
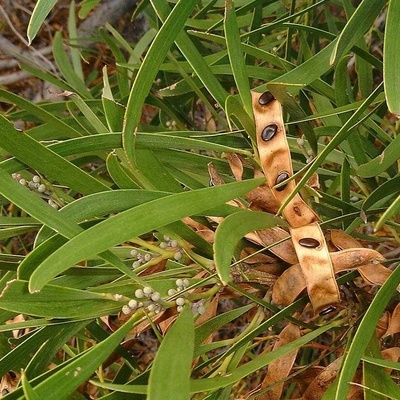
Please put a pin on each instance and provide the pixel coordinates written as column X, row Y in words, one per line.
column 170, row 375
column 391, row 57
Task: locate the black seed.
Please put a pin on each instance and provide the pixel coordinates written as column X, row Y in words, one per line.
column 311, row 243
column 328, row 310
column 269, row 132
column 266, row 98
column 281, row 177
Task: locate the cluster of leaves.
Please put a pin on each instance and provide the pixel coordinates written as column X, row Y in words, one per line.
column 120, row 201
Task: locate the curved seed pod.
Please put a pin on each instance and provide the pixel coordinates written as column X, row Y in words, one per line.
column 285, row 250
column 292, row 282
column 394, row 324
column 371, row 270
column 322, row 381
column 288, row 286
column 275, row 158
column 343, row 240
column 280, row 368
column 316, row 265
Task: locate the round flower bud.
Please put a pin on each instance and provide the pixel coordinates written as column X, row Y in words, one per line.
column 179, row 282
column 186, row 283
column 133, row 252
column 156, row 296
column 180, row 301
column 36, row 178
column 22, row 182
column 171, row 292
column 147, row 290
column 179, row 308
column 173, row 243
column 126, row 309
column 147, row 257
column 139, row 293
column 177, row 256
column 133, row 303
column 136, row 264
column 41, row 188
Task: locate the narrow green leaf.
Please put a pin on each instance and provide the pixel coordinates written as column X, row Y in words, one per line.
column 391, row 57
column 29, row 392
column 16, row 357
column 73, row 37
column 381, row 163
column 358, row 24
column 376, row 380
column 382, row 194
column 57, row 302
column 382, row 363
column 392, row 210
column 86, row 7
column 149, row 69
column 209, row 384
column 66, row 68
column 341, row 135
column 66, row 379
column 58, row 125
column 236, row 56
column 88, row 113
column 39, row 14
column 206, row 329
column 364, row 332
column 136, row 221
column 44, row 160
column 194, row 57
column 170, row 374
column 231, row 230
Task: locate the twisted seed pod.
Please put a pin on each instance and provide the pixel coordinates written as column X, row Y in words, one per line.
column 308, row 239
column 276, row 160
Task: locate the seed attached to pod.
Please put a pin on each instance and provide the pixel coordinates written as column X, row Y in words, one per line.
column 281, row 177
column 310, row 243
column 266, row 98
column 269, row 132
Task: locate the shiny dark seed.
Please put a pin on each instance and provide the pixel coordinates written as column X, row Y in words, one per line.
column 328, row 310
column 269, row 132
column 281, row 177
column 311, row 243
column 266, row 98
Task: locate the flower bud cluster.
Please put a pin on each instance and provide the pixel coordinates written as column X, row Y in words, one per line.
column 171, row 243
column 181, row 286
column 36, row 185
column 141, row 258
column 147, row 298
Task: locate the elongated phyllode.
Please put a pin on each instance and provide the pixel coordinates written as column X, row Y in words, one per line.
column 266, row 98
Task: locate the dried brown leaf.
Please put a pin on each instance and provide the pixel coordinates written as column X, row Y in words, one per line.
column 394, row 324
column 280, row 368
column 284, row 250
column 320, row 384
column 236, row 165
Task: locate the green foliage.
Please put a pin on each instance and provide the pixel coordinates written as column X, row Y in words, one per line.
column 97, row 192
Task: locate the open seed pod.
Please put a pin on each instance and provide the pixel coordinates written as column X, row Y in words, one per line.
column 275, row 158
column 308, row 239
